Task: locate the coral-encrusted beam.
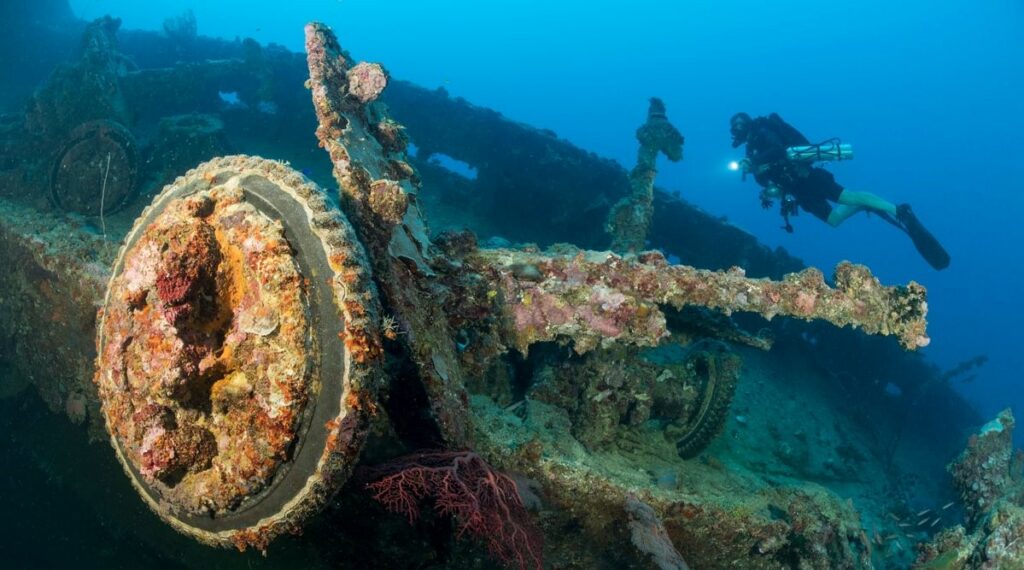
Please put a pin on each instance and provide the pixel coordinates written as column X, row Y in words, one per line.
column 378, row 192
column 595, row 298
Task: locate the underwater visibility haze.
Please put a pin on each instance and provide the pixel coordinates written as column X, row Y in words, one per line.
column 354, row 284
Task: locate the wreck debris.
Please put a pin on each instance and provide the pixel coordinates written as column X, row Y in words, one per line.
column 594, row 298
column 81, row 113
column 616, row 395
column 378, row 191
column 207, row 283
column 87, row 90
column 964, row 369
column 650, row 537
column 695, row 522
column 984, row 472
column 238, row 351
column 55, row 274
column 717, row 518
column 96, row 169
column 630, row 220
column 988, row 476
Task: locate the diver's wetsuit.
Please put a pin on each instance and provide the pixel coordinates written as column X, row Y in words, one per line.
column 812, row 187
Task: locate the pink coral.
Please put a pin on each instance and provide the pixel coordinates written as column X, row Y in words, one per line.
column 805, row 302
column 366, row 81
column 605, row 326
column 157, row 454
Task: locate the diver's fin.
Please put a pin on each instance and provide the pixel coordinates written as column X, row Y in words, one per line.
column 929, row 247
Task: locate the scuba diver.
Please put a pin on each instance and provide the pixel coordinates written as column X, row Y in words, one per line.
column 782, row 162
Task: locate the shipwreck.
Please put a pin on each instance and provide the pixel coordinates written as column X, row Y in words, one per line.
column 252, row 342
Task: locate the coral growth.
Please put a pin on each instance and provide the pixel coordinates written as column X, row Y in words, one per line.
column 379, row 193
column 205, row 369
column 988, row 477
column 982, row 473
column 484, row 502
column 75, row 408
column 366, row 81
column 597, row 298
column 210, row 279
column 630, row 219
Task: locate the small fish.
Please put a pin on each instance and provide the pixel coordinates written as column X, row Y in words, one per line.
column 922, row 521
column 514, row 405
column 894, row 517
column 947, row 505
column 898, row 546
column 905, row 525
column 924, row 512
column 602, row 395
column 935, row 522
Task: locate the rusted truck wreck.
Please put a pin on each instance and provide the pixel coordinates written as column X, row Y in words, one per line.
column 259, row 338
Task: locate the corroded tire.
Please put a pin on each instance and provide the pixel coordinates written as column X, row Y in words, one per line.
column 719, row 371
column 95, row 169
column 238, row 350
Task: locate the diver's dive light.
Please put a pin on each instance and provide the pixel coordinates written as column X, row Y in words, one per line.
column 826, row 151
column 734, row 166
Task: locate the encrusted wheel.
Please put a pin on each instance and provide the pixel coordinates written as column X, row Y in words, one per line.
column 719, row 370
column 238, row 346
column 95, row 169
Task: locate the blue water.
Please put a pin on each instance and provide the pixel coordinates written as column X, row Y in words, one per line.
column 928, row 92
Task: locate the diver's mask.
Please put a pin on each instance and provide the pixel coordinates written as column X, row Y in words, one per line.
column 739, row 128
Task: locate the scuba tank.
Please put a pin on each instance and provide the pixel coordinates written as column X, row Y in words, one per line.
column 829, row 150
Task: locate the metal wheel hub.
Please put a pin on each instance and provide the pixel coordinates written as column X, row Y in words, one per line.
column 237, row 351
column 95, row 169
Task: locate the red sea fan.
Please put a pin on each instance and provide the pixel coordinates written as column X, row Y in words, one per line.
column 482, row 501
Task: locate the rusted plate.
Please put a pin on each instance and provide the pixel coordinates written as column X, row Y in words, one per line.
column 237, row 351
column 95, row 170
